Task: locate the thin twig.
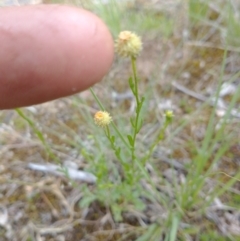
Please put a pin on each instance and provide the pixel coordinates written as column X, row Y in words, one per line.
column 210, row 100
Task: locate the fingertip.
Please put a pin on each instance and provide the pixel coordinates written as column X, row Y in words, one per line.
column 61, row 51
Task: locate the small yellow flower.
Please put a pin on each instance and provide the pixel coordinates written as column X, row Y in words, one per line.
column 169, row 115
column 102, row 118
column 128, row 44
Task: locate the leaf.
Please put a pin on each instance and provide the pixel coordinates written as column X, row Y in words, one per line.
column 131, row 84
column 117, row 213
column 117, row 153
column 112, row 139
column 150, row 232
column 86, row 201
column 140, row 125
column 132, row 122
column 141, row 103
column 130, row 139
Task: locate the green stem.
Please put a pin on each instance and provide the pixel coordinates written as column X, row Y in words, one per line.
column 108, row 135
column 134, row 68
column 38, row 134
column 97, row 100
column 120, row 135
column 153, row 185
column 113, row 125
column 174, row 227
column 159, row 138
column 138, row 110
column 138, row 107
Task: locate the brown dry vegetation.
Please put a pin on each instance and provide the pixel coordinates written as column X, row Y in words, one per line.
column 179, row 70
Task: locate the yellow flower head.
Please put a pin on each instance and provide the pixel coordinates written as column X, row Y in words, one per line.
column 102, row 118
column 128, row 44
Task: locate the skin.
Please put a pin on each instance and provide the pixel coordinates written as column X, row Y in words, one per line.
column 50, row 51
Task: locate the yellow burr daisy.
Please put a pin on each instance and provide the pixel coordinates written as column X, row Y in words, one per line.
column 102, row 118
column 128, row 44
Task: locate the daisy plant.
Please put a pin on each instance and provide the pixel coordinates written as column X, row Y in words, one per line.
column 132, row 166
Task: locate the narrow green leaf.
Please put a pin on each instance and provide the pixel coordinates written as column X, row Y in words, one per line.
column 174, row 228
column 112, row 139
column 148, row 235
column 132, row 122
column 131, row 84
column 130, row 139
column 141, row 103
column 117, row 152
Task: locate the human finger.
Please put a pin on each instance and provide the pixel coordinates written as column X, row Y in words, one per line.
column 50, row 51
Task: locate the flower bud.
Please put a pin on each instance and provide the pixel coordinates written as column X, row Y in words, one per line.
column 169, row 115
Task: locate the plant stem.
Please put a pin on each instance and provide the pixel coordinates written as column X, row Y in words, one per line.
column 159, row 138
column 39, row 134
column 120, row 135
column 97, row 100
column 113, row 125
column 138, row 110
column 133, row 61
column 108, row 135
